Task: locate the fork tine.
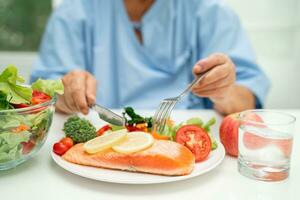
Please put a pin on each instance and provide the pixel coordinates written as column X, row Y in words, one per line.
column 166, row 115
column 160, row 113
column 157, row 112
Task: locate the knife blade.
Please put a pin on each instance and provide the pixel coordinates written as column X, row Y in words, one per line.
column 109, row 116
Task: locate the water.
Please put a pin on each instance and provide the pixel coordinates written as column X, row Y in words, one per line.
column 264, row 153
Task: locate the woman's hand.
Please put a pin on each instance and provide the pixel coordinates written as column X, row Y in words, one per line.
column 218, row 82
column 219, row 85
column 80, row 92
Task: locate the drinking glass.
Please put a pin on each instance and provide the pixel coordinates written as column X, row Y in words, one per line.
column 265, row 143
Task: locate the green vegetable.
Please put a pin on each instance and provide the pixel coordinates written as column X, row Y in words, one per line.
column 135, row 118
column 4, row 104
column 13, row 120
column 115, row 127
column 195, row 121
column 40, row 123
column 50, row 87
column 208, row 124
column 15, row 93
column 10, row 144
column 80, row 130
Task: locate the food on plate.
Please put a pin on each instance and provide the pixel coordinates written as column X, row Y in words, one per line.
column 80, row 130
column 67, row 141
column 60, row 148
column 102, row 130
column 163, row 157
column 104, row 142
column 137, row 147
column 23, row 130
column 195, row 139
column 63, row 146
column 134, row 142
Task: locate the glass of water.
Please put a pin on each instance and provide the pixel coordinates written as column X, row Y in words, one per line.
column 265, row 144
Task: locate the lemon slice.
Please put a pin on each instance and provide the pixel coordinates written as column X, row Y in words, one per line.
column 135, row 141
column 105, row 141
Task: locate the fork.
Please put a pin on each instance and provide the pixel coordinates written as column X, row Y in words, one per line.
column 166, row 106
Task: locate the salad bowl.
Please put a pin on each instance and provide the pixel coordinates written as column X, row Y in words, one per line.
column 23, row 131
column 26, row 113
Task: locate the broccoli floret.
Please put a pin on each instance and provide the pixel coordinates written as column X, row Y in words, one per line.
column 80, row 130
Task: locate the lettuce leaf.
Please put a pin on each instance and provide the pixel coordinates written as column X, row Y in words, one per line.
column 50, row 87
column 15, row 93
column 4, row 104
column 10, row 144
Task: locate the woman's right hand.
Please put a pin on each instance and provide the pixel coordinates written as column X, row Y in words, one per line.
column 80, row 92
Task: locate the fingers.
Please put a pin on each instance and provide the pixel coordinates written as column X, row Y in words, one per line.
column 80, row 92
column 91, row 87
column 61, row 106
column 217, row 82
column 210, row 62
column 218, row 92
column 218, row 74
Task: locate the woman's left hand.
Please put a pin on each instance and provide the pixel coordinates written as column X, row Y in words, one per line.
column 218, row 83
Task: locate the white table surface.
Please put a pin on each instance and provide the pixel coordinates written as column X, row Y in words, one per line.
column 40, row 178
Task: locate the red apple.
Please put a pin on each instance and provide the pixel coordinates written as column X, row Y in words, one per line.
column 229, row 133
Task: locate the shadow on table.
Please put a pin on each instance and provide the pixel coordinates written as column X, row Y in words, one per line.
column 135, row 190
column 20, row 168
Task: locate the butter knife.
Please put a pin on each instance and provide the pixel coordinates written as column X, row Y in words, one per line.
column 109, row 116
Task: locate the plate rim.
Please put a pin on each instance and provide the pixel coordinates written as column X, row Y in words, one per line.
column 64, row 164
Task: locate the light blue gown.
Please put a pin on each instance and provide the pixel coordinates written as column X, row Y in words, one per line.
column 97, row 36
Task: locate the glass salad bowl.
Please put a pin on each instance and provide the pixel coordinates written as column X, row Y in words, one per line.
column 23, row 132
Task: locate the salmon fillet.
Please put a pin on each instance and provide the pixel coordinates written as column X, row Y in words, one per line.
column 163, row 157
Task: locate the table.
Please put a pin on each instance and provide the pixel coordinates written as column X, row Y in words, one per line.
column 41, row 178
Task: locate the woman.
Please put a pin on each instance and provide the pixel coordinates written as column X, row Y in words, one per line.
column 137, row 52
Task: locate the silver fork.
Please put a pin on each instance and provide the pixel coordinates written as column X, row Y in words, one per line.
column 166, row 106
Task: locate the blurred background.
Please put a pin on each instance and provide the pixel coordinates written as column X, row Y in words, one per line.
column 273, row 27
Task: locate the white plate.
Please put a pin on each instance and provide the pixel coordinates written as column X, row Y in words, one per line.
column 117, row 176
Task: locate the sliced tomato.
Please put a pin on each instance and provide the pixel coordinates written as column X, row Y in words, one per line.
column 196, row 139
column 132, row 128
column 102, row 130
column 21, row 105
column 39, row 97
column 28, row 146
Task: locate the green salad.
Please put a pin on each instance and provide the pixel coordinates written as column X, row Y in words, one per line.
column 20, row 131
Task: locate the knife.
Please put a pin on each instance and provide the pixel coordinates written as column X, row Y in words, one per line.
column 109, row 116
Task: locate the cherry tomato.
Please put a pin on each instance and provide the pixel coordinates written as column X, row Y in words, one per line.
column 67, row 141
column 196, row 139
column 102, row 130
column 39, row 97
column 59, row 148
